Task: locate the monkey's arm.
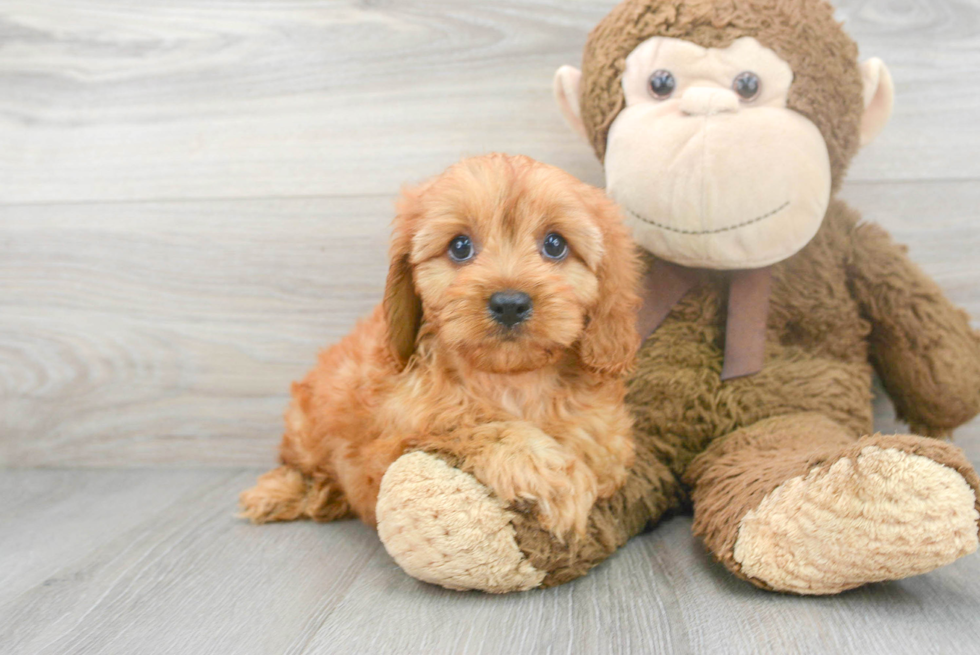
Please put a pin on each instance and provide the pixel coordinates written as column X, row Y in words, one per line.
column 922, row 345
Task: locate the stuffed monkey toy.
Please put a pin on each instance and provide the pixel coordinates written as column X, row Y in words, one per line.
column 725, row 128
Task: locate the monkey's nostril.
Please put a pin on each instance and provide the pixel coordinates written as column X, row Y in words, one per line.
column 509, row 307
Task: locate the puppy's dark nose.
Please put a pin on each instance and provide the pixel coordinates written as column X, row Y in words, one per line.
column 510, row 307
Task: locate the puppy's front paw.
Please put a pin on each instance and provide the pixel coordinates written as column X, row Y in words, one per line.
column 528, row 465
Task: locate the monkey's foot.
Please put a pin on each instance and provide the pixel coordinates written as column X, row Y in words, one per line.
column 443, row 526
column 888, row 508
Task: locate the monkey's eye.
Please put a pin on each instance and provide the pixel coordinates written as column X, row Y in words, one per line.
column 554, row 247
column 461, row 249
column 747, row 85
column 662, row 84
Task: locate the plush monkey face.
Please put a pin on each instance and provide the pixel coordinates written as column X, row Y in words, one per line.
column 721, row 154
column 710, row 168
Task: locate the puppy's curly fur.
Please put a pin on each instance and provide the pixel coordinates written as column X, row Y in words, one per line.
column 536, row 412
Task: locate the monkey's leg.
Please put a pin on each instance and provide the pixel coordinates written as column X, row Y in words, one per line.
column 443, row 526
column 793, row 503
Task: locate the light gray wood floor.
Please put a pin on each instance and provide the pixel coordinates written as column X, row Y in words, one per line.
column 194, row 197
column 153, row 561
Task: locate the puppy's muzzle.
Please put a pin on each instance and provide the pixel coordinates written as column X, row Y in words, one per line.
column 510, row 308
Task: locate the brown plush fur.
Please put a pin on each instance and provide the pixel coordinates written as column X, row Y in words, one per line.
column 848, row 303
column 537, row 413
column 828, row 303
column 772, row 451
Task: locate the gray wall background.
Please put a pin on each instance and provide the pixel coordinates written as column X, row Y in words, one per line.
column 195, row 196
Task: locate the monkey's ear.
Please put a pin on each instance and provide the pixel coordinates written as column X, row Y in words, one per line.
column 568, row 80
column 402, row 305
column 879, row 98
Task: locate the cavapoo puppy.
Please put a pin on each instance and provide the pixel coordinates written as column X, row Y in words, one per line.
column 506, row 327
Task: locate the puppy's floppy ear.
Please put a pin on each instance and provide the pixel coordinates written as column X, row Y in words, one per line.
column 610, row 341
column 402, row 305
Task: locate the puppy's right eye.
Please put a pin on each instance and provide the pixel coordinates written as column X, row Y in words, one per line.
column 461, row 249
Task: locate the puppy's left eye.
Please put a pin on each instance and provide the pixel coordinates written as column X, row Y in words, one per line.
column 555, row 247
column 461, row 249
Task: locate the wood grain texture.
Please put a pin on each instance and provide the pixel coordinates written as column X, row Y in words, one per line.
column 185, row 576
column 194, row 196
column 107, row 100
column 168, row 332
column 51, row 519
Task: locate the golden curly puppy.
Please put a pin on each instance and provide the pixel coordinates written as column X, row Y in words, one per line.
column 506, row 327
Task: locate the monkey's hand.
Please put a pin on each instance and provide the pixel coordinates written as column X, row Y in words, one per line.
column 922, row 345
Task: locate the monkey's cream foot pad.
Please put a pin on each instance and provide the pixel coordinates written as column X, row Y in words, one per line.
column 443, row 526
column 883, row 515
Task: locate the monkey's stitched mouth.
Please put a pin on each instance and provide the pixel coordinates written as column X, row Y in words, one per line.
column 717, row 231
